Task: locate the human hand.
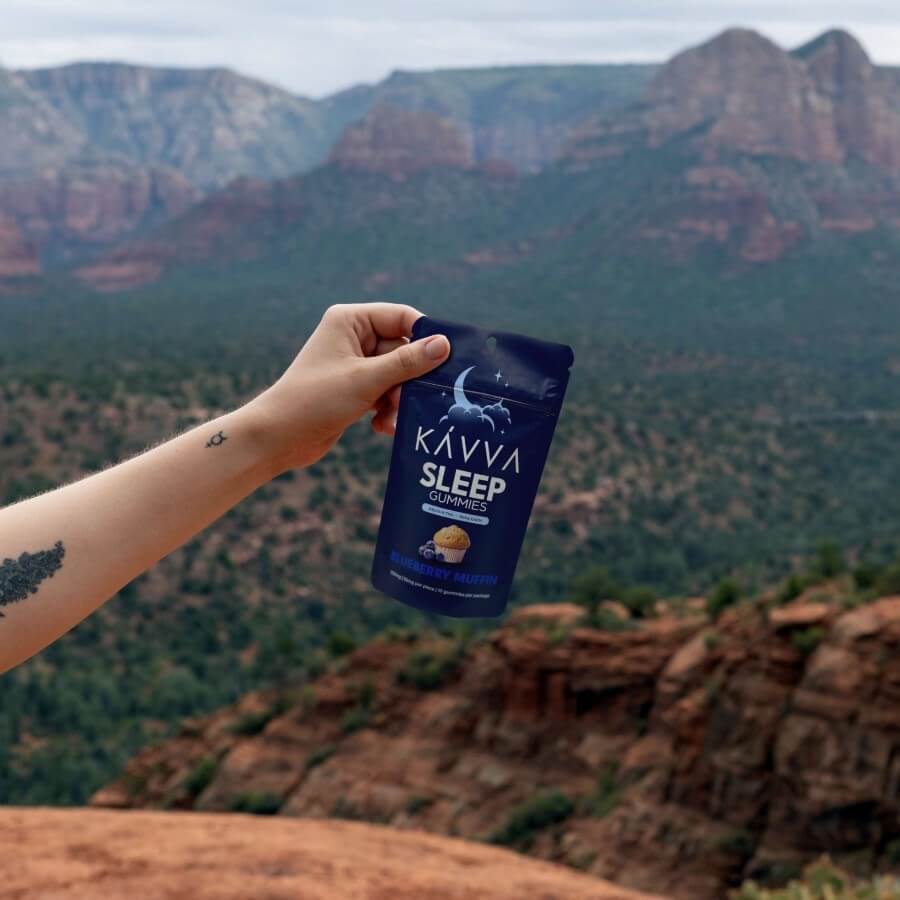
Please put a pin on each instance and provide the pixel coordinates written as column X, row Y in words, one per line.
column 355, row 361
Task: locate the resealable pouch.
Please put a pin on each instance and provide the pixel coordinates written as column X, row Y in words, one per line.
column 471, row 441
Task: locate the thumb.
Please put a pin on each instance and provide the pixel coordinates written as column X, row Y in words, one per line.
column 408, row 361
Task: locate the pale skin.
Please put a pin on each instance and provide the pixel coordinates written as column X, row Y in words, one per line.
column 83, row 542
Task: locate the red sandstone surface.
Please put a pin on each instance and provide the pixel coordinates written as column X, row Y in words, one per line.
column 66, row 854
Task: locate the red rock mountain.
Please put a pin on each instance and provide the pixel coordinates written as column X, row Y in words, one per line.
column 400, row 142
column 63, row 195
column 18, row 257
column 78, row 208
column 741, row 93
column 71, row 136
column 101, row 855
column 693, row 755
column 91, row 154
column 761, row 150
column 736, row 143
column 209, row 125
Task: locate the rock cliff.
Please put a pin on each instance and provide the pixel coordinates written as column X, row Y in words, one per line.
column 18, row 256
column 693, row 755
column 741, row 93
column 400, row 142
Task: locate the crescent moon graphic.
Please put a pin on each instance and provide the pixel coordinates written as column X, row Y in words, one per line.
column 459, row 392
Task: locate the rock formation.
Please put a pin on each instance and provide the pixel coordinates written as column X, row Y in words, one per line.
column 18, row 256
column 741, row 93
column 399, row 142
column 75, row 854
column 695, row 755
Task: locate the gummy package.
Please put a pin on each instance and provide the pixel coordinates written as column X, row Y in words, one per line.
column 470, row 446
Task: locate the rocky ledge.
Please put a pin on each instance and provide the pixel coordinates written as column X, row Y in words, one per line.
column 677, row 756
column 101, row 855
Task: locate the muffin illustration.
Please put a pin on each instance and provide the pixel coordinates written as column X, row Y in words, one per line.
column 451, row 542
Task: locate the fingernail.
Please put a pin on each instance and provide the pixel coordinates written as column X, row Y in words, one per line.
column 437, row 346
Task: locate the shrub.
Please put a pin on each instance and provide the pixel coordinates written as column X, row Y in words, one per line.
column 608, row 793
column 892, row 852
column 829, row 560
column 736, row 843
column 888, row 582
column 792, row 588
column 355, row 719
column 726, row 594
column 340, row 643
column 711, row 640
column 639, row 601
column 594, row 586
column 823, row 881
column 865, row 576
column 418, row 802
column 201, row 776
column 259, row 804
column 807, row 639
column 253, row 722
column 541, row 811
column 428, row 670
column 558, row 634
column 606, row 620
column 317, row 757
column 358, row 716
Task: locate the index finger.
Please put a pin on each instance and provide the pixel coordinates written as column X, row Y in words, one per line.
column 390, row 320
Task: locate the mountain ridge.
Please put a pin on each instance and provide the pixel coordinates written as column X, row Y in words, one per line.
column 202, row 128
column 741, row 92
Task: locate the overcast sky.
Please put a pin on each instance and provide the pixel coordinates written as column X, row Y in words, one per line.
column 319, row 46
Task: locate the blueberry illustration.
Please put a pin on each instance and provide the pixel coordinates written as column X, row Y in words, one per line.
column 427, row 553
column 439, row 557
column 429, row 545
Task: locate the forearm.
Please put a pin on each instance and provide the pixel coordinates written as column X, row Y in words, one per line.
column 87, row 540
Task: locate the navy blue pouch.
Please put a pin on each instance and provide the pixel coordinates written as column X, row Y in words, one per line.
column 471, row 441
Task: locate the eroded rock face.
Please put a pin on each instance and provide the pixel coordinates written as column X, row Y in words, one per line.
column 696, row 755
column 236, row 223
column 401, row 142
column 741, row 93
column 76, row 209
column 18, row 256
column 107, row 855
column 765, row 148
column 211, row 125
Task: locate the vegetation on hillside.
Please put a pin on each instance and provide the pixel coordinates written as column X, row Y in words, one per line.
column 825, row 881
column 721, row 423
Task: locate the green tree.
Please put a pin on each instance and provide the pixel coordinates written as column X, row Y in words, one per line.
column 594, row 586
column 726, row 594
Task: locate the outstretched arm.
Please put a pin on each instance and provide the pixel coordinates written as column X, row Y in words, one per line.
column 64, row 553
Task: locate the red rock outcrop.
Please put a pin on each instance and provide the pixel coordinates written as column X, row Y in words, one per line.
column 75, row 209
column 236, row 223
column 695, row 755
column 741, row 93
column 18, row 256
column 210, row 125
column 102, row 855
column 756, row 145
column 401, row 142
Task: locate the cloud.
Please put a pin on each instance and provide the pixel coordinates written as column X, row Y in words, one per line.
column 316, row 48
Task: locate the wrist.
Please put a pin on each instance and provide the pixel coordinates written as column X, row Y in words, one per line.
column 263, row 429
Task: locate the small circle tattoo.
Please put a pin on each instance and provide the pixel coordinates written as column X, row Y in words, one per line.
column 217, row 439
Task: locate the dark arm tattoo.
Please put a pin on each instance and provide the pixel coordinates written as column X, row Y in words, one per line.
column 217, row 439
column 21, row 577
